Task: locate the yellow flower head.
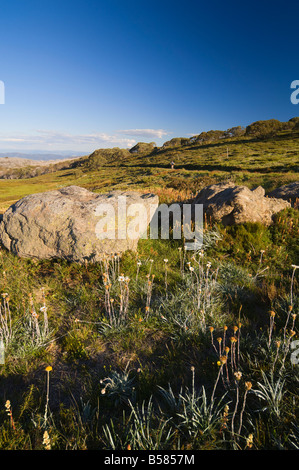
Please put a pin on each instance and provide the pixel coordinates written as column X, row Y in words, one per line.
column 249, row 440
column 48, row 368
column 46, row 440
column 238, row 375
column 223, row 360
column 248, row 385
column 7, row 405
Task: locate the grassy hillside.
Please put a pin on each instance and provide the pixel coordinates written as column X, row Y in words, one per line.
column 163, row 348
column 270, row 161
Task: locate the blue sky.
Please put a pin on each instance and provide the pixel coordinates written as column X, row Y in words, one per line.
column 81, row 75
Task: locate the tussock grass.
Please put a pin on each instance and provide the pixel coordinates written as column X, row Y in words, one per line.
column 183, row 354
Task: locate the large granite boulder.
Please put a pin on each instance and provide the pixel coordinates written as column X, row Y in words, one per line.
column 232, row 204
column 288, row 192
column 71, row 222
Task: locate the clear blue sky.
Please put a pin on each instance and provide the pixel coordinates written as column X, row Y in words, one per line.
column 81, row 75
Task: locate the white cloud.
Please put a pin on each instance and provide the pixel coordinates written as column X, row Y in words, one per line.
column 148, row 133
column 50, row 139
column 42, row 139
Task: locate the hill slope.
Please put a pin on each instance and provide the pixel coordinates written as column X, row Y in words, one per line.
column 265, row 153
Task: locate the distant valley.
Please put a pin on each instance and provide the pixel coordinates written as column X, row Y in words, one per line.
column 10, row 159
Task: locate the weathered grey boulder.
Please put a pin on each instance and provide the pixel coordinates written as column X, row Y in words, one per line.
column 68, row 223
column 232, row 204
column 289, row 192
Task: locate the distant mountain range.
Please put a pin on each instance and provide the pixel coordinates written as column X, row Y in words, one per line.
column 42, row 156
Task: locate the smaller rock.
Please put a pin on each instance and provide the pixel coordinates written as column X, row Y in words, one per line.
column 288, row 192
column 232, row 204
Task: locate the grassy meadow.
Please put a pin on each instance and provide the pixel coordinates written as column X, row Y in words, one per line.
column 162, row 349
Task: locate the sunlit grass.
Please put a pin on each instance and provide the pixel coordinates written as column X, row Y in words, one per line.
column 162, row 348
column 179, row 371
